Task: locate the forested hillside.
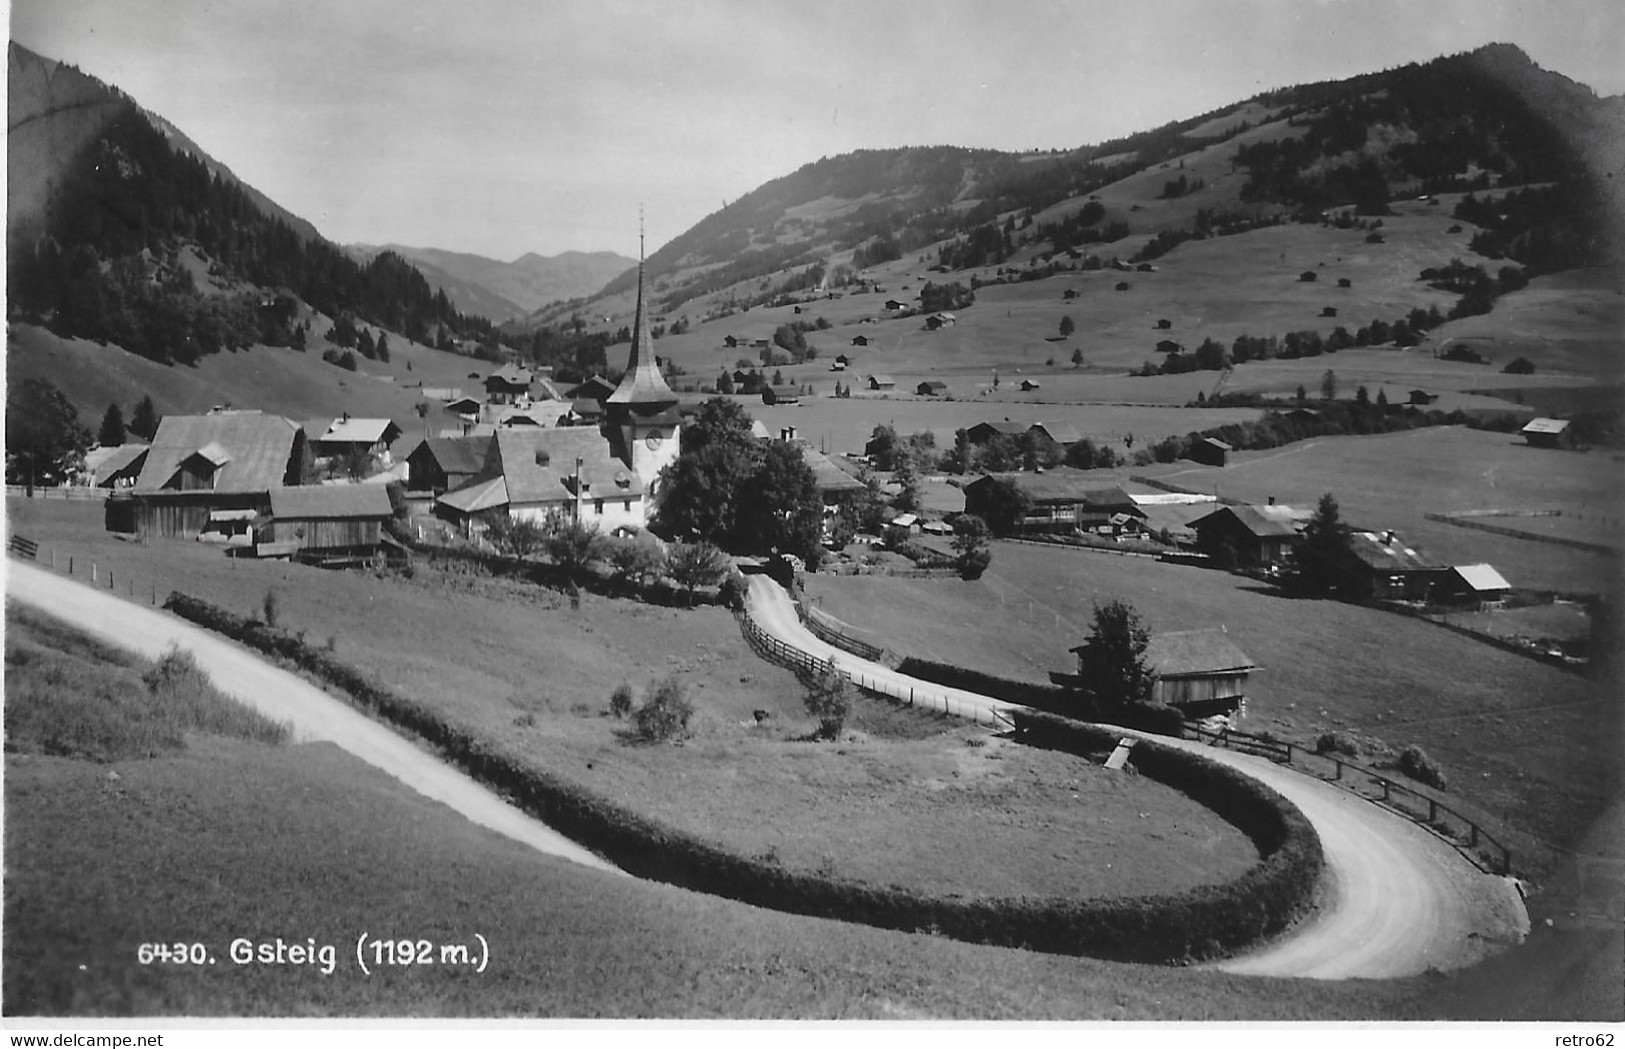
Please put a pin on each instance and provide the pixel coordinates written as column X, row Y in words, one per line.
column 134, row 241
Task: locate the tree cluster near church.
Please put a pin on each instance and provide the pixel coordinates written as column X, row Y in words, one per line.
column 745, row 495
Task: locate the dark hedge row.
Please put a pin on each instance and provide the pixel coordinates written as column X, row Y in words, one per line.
column 1261, row 902
column 1174, row 928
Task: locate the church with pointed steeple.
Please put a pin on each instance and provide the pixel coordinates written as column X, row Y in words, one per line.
column 641, row 415
column 606, row 476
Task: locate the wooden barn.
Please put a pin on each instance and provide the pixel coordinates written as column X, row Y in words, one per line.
column 781, row 395
column 206, row 473
column 1382, row 567
column 439, row 464
column 931, row 388
column 1062, row 500
column 1211, row 451
column 1548, row 433
column 345, row 436
column 1199, row 672
column 324, row 522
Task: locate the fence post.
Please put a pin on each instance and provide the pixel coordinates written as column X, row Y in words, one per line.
column 1339, row 765
column 70, row 564
column 1385, row 795
column 1473, row 836
column 1506, row 860
column 53, row 559
column 1289, row 753
column 92, row 571
column 1433, row 811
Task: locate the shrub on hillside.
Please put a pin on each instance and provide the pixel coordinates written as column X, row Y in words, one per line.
column 1415, row 763
column 664, row 714
column 1336, row 743
column 620, row 701
column 829, row 699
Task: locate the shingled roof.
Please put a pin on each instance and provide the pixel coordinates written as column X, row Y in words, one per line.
column 330, row 501
column 540, row 465
column 250, row 449
column 1193, row 653
column 1261, row 521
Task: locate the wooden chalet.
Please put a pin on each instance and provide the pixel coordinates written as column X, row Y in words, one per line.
column 1254, row 536
column 596, row 388
column 345, row 436
column 439, row 464
column 324, row 523
column 117, row 467
column 1061, row 500
column 931, row 388
column 1063, row 434
column 1382, row 567
column 781, row 395
column 882, row 382
column 1029, row 384
column 984, row 432
column 509, row 384
column 214, row 469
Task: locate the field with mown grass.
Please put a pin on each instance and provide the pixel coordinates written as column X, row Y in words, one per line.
column 1391, row 481
column 229, row 839
column 1524, row 744
column 927, row 802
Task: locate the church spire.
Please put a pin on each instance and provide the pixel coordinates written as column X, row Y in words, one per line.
column 642, row 385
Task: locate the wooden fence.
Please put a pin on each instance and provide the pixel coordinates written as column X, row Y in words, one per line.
column 23, row 547
column 59, row 492
column 775, row 650
column 1468, row 837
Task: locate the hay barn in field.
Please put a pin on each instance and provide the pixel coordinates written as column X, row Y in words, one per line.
column 215, row 469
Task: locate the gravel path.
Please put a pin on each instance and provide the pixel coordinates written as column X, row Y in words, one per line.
column 314, row 714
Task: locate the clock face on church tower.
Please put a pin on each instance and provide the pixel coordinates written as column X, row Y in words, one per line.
column 652, row 441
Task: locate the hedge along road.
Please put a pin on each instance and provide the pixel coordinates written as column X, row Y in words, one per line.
column 1395, row 900
column 314, row 714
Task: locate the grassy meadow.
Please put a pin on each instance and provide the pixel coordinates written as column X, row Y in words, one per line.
column 1529, row 746
column 959, row 813
column 231, row 838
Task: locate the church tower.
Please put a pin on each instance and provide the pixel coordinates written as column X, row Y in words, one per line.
column 642, row 412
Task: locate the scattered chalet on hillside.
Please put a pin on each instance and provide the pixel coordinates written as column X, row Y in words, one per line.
column 1210, row 451
column 1255, row 536
column 1060, row 501
column 931, row 388
column 344, row 436
column 1200, row 673
column 882, row 382
column 1479, row 585
column 1382, row 567
column 213, row 468
column 1548, row 433
column 781, row 395
column 983, row 432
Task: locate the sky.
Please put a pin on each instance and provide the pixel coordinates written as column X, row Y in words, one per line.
column 501, row 127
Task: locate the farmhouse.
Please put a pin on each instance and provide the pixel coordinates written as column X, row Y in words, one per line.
column 1029, row 384
column 1548, row 433
column 344, row 437
column 466, row 407
column 781, row 395
column 1168, row 346
column 857, row 340
column 931, row 388
column 323, row 522
column 896, row 304
column 584, row 411
column 116, row 467
column 218, row 466
column 509, row 384
column 1422, row 397
column 1061, row 433
column 940, row 320
column 1251, row 536
column 983, row 432
column 439, row 464
column 833, row 482
column 596, row 388
column 1059, row 501
column 1384, row 568
column 882, row 382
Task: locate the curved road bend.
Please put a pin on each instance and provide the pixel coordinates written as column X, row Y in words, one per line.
column 315, row 715
column 1395, row 900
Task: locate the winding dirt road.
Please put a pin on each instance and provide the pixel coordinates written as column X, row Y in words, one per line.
column 314, row 714
column 1395, row 900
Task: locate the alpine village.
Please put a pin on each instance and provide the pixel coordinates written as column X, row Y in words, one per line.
column 1175, row 578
